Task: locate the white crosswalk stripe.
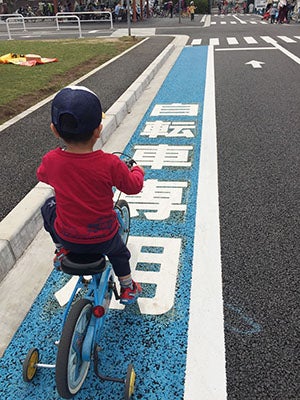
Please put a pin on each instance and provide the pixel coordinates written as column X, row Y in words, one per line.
column 238, row 20
column 287, row 39
column 214, row 42
column 196, row 42
column 232, row 40
column 250, row 40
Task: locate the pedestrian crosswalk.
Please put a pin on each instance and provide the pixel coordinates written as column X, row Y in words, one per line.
column 236, row 22
column 250, row 40
column 234, row 19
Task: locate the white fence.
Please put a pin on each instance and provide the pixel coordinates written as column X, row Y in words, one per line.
column 106, row 14
column 13, row 20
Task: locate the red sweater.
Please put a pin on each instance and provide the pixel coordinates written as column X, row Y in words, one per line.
column 83, row 190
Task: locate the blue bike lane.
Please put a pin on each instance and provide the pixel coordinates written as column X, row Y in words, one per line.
column 155, row 334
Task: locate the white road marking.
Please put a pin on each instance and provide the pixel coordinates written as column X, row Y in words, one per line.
column 196, row 42
column 232, row 40
column 214, row 42
column 255, row 64
column 287, row 39
column 292, row 56
column 240, row 21
column 250, row 40
column 205, row 371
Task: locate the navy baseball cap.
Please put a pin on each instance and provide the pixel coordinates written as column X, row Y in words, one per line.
column 82, row 105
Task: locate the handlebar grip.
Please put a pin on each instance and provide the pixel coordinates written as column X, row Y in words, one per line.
column 130, row 163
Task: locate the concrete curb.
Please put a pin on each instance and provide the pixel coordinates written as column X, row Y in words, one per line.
column 21, row 225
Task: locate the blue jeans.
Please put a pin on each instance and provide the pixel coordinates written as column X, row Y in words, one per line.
column 115, row 249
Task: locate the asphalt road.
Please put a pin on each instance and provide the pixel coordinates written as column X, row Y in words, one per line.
column 258, row 143
column 258, row 162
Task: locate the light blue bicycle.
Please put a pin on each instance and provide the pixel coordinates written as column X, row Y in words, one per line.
column 83, row 321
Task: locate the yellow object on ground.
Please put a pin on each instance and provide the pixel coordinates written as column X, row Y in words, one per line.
column 28, row 60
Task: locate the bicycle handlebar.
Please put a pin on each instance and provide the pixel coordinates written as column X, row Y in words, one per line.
column 130, row 163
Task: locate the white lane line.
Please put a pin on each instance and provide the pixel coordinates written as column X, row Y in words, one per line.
column 233, row 22
column 250, row 40
column 245, row 48
column 205, row 372
column 297, row 37
column 253, row 22
column 214, row 42
column 240, row 21
column 223, row 22
column 268, row 39
column 286, row 39
column 232, row 40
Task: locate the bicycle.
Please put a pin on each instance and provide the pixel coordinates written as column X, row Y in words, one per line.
column 83, row 321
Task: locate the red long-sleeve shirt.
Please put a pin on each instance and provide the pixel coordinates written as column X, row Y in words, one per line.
column 83, row 190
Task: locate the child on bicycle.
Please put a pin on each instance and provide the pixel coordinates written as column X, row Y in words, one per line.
column 80, row 218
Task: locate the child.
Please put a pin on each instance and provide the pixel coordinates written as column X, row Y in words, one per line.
column 80, row 218
column 192, row 9
column 273, row 12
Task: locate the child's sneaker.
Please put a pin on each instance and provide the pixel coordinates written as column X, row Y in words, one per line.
column 59, row 255
column 128, row 295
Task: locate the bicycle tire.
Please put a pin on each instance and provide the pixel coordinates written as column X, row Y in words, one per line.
column 123, row 207
column 71, row 370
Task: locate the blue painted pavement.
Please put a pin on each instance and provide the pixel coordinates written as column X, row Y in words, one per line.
column 153, row 333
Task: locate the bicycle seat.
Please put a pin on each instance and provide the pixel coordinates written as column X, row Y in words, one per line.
column 83, row 264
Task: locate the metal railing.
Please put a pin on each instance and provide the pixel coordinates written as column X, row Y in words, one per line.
column 15, row 16
column 56, row 18
column 13, row 19
column 82, row 13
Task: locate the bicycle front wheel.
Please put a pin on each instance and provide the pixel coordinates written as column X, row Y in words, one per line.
column 123, row 208
column 71, row 370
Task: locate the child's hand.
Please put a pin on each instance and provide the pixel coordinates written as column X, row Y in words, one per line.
column 141, row 168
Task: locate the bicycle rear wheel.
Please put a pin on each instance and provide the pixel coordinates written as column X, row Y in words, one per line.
column 124, row 229
column 71, row 370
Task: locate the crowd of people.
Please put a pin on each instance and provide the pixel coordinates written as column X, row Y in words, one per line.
column 280, row 12
column 275, row 11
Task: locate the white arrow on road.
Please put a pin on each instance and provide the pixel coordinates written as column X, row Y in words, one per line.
column 255, row 64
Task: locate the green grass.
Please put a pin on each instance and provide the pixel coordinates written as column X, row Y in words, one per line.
column 22, row 86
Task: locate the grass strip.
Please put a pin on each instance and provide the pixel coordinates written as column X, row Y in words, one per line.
column 22, row 87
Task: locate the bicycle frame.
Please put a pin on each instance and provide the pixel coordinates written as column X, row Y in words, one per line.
column 100, row 295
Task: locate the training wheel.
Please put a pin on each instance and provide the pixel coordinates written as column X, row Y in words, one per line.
column 129, row 382
column 29, row 364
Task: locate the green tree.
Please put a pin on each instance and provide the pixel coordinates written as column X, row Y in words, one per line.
column 201, row 6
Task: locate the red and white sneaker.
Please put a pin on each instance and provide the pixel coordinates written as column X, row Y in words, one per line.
column 128, row 295
column 59, row 255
